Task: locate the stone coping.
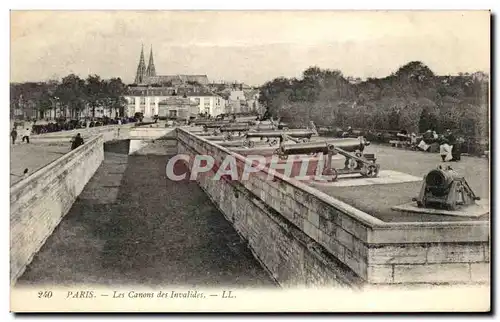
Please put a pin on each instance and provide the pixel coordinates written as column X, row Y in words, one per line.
column 91, row 130
column 415, row 232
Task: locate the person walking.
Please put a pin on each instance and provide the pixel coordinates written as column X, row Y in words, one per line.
column 13, row 135
column 26, row 135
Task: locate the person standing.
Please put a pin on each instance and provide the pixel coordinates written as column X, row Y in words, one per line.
column 455, row 147
column 445, row 151
column 13, row 135
column 76, row 142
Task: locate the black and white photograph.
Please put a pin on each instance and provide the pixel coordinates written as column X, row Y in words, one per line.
column 250, row 161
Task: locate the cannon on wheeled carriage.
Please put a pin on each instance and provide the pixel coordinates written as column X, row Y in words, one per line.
column 356, row 162
column 230, row 130
column 274, row 137
column 217, row 126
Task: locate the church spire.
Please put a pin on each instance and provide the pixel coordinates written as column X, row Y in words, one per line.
column 141, row 69
column 151, row 71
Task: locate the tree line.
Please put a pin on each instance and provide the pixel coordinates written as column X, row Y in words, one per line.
column 413, row 98
column 72, row 94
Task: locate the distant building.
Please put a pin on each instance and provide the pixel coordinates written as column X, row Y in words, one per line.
column 209, row 103
column 236, row 102
column 252, row 98
column 146, row 100
column 147, row 75
column 155, row 101
column 177, row 108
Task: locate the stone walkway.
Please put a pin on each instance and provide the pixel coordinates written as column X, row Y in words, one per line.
column 132, row 226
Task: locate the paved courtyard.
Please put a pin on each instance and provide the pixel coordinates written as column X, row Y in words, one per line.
column 33, row 156
column 378, row 199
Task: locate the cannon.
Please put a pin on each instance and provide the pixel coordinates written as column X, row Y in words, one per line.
column 239, row 128
column 444, row 188
column 265, row 127
column 232, row 144
column 217, row 126
column 351, row 149
column 281, row 136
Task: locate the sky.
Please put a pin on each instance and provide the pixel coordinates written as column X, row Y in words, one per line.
column 252, row 46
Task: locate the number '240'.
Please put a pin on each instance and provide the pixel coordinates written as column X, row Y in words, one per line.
column 45, row 294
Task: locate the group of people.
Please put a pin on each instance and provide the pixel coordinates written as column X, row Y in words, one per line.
column 25, row 135
column 75, row 142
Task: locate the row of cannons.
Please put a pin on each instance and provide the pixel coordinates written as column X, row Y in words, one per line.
column 290, row 142
column 442, row 188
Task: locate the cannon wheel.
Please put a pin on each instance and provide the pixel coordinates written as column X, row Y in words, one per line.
column 273, row 142
column 371, row 171
column 332, row 172
column 249, row 143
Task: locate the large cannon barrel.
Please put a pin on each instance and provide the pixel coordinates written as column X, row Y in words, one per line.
column 206, row 122
column 276, row 134
column 299, row 133
column 306, row 148
column 215, row 125
column 239, row 143
column 351, row 144
column 265, row 134
column 348, row 145
column 441, row 178
column 237, row 127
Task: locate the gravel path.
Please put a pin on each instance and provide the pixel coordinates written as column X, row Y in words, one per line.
column 132, row 226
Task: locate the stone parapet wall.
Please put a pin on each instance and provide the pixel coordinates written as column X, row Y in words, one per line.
column 373, row 250
column 40, row 201
column 109, row 132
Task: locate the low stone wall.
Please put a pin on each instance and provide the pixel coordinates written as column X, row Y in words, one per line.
column 303, row 236
column 40, row 201
column 152, row 141
column 109, row 133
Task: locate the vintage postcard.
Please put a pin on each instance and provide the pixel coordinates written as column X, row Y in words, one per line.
column 250, row 161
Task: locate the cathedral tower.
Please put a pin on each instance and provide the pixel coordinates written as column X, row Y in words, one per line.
column 151, row 71
column 141, row 69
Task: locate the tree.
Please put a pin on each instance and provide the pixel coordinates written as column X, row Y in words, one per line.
column 71, row 94
column 412, row 97
column 115, row 89
column 95, row 89
column 45, row 103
